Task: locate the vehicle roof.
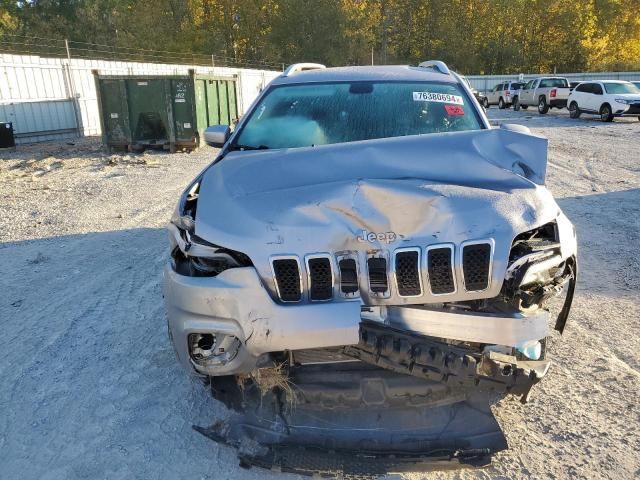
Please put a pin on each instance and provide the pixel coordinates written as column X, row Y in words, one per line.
column 368, row 73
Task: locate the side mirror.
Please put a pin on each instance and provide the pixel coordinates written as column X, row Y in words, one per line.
column 217, row 135
column 514, row 127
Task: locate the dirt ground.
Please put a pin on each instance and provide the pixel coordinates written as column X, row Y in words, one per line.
column 91, row 387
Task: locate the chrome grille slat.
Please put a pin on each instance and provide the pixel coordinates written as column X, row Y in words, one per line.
column 476, row 262
column 440, row 270
column 407, row 270
column 287, row 276
column 348, row 276
column 320, row 279
column 377, row 270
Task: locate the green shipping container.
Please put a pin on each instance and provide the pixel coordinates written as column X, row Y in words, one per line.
column 172, row 112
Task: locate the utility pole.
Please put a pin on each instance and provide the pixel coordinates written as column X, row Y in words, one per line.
column 72, row 91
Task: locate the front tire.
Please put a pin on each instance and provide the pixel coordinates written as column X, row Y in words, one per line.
column 501, row 104
column 485, row 102
column 605, row 113
column 516, row 104
column 524, row 107
column 574, row 111
column 542, row 105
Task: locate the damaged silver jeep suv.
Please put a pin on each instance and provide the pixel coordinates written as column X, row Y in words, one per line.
column 365, row 268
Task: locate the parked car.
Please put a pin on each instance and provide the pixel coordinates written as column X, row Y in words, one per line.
column 479, row 96
column 607, row 98
column 502, row 94
column 329, row 275
column 545, row 92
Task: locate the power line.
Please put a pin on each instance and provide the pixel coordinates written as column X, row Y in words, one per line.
column 36, row 45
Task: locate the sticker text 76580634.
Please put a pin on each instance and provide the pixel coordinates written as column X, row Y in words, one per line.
column 437, row 97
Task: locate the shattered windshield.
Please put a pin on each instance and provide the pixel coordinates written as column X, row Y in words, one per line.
column 305, row 115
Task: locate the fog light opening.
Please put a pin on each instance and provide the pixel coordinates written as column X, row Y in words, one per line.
column 209, row 349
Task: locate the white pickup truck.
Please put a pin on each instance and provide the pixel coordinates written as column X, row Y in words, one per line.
column 545, row 92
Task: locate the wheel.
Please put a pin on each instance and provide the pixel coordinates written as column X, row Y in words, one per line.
column 501, row 104
column 516, row 104
column 524, row 107
column 574, row 111
column 485, row 102
column 605, row 113
column 542, row 105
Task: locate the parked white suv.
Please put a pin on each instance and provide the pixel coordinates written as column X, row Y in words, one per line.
column 502, row 94
column 607, row 98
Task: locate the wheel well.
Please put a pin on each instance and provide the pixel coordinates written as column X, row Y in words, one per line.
column 603, row 105
column 573, row 102
column 542, row 97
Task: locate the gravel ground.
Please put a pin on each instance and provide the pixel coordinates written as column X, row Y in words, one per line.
column 101, row 395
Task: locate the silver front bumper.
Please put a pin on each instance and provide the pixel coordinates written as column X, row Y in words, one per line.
column 236, row 303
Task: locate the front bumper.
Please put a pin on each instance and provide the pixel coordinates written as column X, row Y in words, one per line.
column 236, row 303
column 622, row 110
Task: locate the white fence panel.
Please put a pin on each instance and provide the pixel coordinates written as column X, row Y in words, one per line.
column 52, row 98
column 484, row 83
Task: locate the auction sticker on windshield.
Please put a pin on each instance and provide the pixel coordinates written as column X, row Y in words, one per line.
column 437, row 97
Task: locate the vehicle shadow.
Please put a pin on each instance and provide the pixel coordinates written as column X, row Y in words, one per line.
column 91, row 385
column 608, row 233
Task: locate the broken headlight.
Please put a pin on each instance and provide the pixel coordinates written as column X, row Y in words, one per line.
column 538, row 272
column 194, row 256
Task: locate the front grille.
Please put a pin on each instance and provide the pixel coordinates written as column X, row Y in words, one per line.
column 348, row 276
column 320, row 279
column 408, row 273
column 287, row 276
column 377, row 268
column 476, row 260
column 440, row 270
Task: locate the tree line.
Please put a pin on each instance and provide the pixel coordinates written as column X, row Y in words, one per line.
column 473, row 36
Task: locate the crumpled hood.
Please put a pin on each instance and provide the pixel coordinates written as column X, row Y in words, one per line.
column 426, row 189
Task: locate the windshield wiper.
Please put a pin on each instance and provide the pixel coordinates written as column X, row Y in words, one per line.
column 237, row 146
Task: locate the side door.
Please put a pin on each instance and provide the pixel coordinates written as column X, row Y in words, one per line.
column 493, row 94
column 582, row 94
column 526, row 97
column 597, row 97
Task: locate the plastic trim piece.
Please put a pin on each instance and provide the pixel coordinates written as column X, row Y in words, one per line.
column 419, row 267
column 301, row 67
column 333, row 275
column 272, row 259
column 460, row 264
column 437, row 65
column 436, row 246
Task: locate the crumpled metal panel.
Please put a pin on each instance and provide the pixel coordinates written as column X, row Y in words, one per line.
column 427, row 189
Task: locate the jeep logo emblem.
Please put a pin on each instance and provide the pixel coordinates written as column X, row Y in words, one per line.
column 372, row 237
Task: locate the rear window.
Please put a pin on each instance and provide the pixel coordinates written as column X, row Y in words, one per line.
column 291, row 116
column 516, row 86
column 554, row 82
